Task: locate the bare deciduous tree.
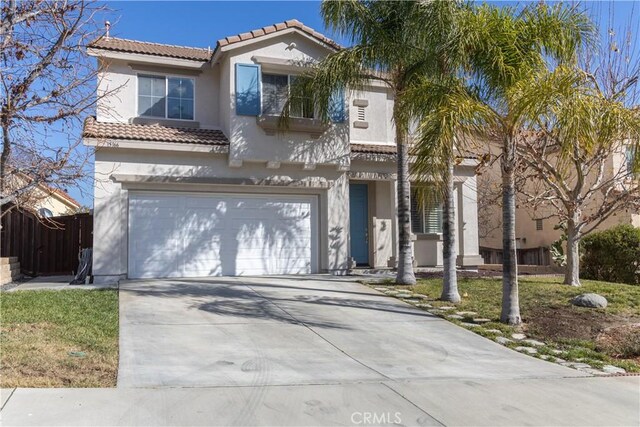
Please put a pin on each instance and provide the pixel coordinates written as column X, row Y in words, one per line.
column 47, row 87
column 580, row 164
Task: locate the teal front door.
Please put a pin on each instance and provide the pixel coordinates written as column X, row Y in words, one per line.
column 358, row 217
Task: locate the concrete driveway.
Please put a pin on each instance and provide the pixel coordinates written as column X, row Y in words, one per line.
column 310, row 351
column 296, row 330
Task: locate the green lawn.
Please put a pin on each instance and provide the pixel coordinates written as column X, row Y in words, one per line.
column 59, row 338
column 595, row 336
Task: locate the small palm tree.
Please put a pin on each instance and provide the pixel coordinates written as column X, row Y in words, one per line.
column 454, row 116
column 511, row 45
column 393, row 44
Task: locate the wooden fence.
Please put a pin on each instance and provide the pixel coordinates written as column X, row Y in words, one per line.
column 45, row 246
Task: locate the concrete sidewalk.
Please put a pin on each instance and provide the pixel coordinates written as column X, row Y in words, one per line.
column 56, row 283
column 613, row 401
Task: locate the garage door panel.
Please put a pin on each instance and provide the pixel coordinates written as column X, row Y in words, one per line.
column 216, row 234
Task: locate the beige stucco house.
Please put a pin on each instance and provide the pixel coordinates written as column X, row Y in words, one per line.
column 536, row 224
column 193, row 177
column 42, row 199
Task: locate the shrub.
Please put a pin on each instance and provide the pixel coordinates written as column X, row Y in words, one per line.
column 612, row 255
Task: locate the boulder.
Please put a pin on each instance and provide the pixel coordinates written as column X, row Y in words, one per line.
column 590, row 300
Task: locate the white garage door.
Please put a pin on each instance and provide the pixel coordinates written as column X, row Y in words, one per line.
column 174, row 235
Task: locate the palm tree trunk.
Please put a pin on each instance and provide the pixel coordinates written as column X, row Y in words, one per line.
column 572, row 272
column 450, row 277
column 510, row 300
column 405, row 275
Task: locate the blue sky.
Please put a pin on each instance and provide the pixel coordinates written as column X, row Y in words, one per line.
column 202, row 23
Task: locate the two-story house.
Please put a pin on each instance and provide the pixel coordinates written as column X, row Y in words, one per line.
column 194, row 177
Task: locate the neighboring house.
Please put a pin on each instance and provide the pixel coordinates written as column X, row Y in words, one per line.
column 536, row 227
column 43, row 199
column 194, row 178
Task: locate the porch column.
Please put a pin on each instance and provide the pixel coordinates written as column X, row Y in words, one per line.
column 393, row 188
column 467, row 209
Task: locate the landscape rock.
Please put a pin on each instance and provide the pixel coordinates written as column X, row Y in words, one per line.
column 422, row 305
column 469, row 325
column 481, row 320
column 518, row 336
column 545, row 357
column 455, row 316
column 578, row 365
column 466, row 313
column 556, row 351
column 494, row 331
column 610, row 369
column 404, row 295
column 503, row 340
column 412, row 300
column 446, row 307
column 590, row 300
column 392, row 293
column 381, row 289
column 528, row 350
column 533, row 342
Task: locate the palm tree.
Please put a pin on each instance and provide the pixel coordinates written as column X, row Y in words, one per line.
column 391, row 43
column 452, row 115
column 502, row 47
column 512, row 45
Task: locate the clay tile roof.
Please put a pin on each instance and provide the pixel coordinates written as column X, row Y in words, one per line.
column 373, row 148
column 64, row 195
column 292, row 23
column 95, row 129
column 134, row 46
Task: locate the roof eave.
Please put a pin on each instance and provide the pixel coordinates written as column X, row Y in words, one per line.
column 146, row 58
column 221, row 49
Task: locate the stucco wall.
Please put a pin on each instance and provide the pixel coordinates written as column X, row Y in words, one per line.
column 120, row 77
column 111, row 198
column 249, row 142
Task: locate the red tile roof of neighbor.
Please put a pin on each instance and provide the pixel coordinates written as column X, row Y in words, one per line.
column 64, row 195
column 200, row 54
column 99, row 130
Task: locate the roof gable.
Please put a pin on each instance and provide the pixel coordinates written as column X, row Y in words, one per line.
column 292, row 24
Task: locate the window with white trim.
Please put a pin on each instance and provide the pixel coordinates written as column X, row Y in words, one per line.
column 166, row 97
column 426, row 218
column 275, row 92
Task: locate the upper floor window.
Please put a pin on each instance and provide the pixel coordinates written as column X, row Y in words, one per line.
column 275, row 91
column 166, row 97
column 425, row 218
